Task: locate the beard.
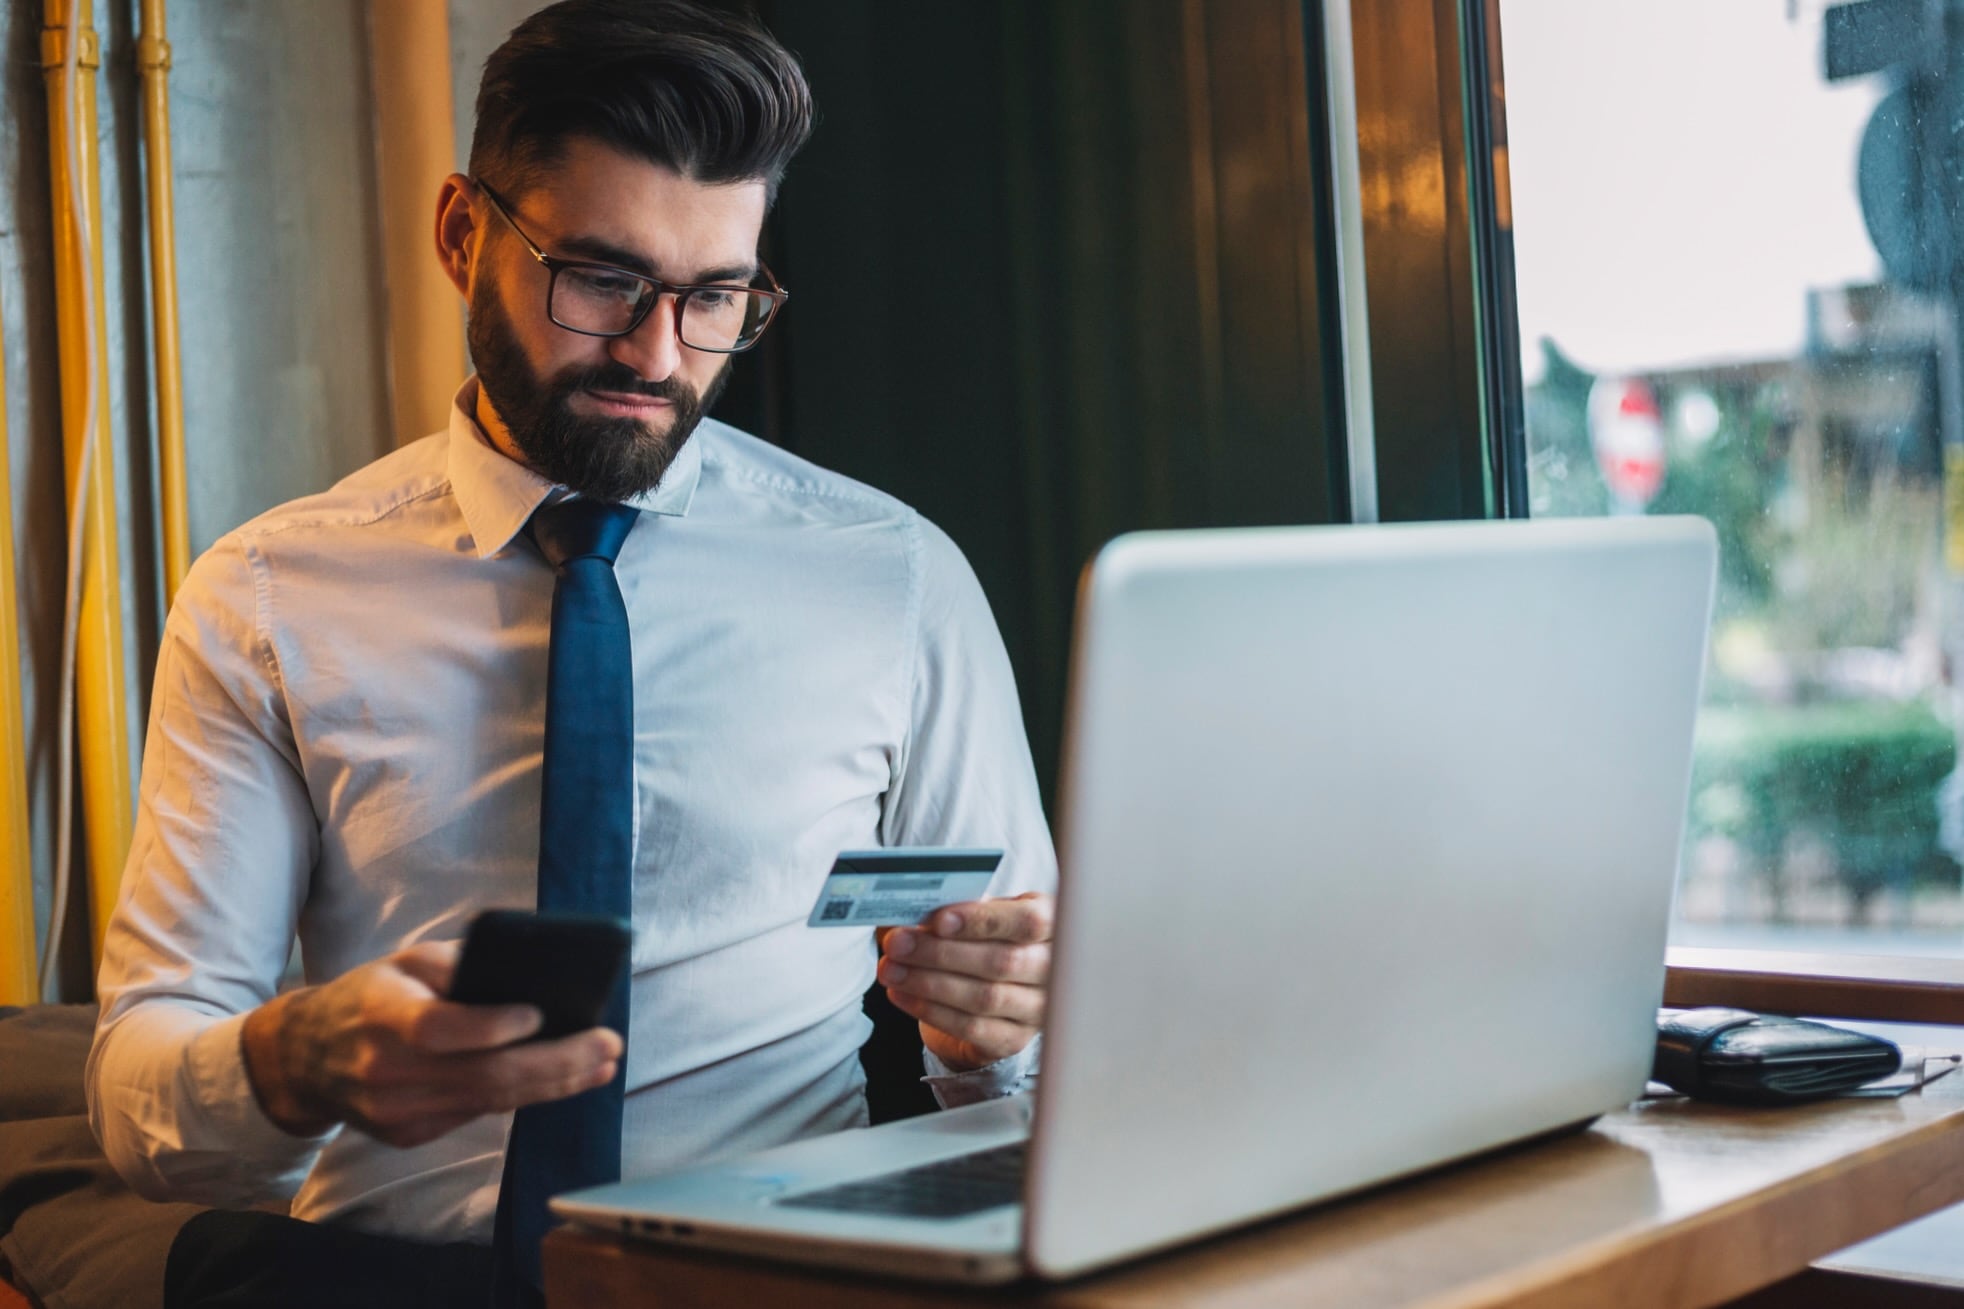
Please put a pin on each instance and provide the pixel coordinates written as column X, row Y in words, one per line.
column 611, row 459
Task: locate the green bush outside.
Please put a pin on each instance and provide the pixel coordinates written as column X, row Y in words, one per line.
column 1862, row 776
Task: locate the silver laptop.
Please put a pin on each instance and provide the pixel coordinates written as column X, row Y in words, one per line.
column 1368, row 843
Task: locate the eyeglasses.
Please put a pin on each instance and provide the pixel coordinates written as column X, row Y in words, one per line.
column 602, row 300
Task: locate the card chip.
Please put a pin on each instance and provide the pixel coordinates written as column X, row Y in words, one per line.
column 838, row 909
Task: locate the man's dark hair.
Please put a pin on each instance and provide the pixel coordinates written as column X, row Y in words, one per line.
column 702, row 90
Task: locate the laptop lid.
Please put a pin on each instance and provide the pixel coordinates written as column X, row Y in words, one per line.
column 1369, row 839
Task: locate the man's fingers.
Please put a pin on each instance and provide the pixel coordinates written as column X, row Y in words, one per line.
column 990, row 1038
column 1027, row 917
column 544, row 1070
column 974, row 975
column 495, row 1081
column 548, row 1070
column 488, row 1092
column 445, row 1027
column 972, row 995
column 431, row 962
column 1028, row 964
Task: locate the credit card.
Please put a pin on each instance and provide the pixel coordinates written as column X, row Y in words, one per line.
column 900, row 885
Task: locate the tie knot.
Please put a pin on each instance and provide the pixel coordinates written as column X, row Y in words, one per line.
column 581, row 529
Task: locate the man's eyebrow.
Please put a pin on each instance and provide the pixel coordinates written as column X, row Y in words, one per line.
column 606, row 252
column 734, row 273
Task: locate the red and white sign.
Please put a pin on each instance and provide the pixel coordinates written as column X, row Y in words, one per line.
column 1627, row 431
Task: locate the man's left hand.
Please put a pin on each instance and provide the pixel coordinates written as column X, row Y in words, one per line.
column 974, row 975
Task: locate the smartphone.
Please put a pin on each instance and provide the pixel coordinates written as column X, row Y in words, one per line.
column 563, row 963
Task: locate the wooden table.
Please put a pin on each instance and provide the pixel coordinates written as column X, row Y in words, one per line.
column 1666, row 1203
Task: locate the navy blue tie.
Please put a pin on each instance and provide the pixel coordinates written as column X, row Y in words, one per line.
column 586, row 846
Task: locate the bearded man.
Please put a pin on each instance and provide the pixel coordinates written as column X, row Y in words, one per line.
column 353, row 726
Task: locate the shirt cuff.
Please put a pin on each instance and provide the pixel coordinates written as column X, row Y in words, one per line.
column 258, row 1154
column 1006, row 1076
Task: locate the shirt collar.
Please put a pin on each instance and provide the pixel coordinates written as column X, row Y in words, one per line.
column 497, row 495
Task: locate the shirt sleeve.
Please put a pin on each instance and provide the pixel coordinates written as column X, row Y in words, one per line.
column 224, row 844
column 1009, row 1075
column 965, row 776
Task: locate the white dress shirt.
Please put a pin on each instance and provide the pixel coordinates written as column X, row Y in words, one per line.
column 345, row 744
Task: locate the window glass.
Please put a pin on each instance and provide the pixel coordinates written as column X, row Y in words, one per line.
column 1738, row 296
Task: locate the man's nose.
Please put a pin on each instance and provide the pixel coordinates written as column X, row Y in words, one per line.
column 654, row 348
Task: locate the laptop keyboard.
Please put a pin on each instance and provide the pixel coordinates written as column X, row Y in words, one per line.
column 948, row 1188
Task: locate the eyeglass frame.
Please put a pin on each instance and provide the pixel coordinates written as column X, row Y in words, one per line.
column 775, row 293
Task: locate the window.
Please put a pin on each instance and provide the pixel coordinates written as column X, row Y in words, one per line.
column 1730, row 234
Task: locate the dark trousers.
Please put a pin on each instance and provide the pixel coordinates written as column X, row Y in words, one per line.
column 228, row 1259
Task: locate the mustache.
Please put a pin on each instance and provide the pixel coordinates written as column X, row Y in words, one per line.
column 622, row 380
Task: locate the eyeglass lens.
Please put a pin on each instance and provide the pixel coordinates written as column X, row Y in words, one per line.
column 606, row 302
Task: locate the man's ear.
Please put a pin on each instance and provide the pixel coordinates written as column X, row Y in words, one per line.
column 456, row 226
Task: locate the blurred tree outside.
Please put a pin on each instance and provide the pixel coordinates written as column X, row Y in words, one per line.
column 1825, row 719
column 1858, row 778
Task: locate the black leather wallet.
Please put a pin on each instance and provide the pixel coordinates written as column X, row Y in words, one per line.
column 1742, row 1057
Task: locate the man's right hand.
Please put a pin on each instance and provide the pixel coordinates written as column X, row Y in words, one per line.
column 380, row 1049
